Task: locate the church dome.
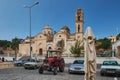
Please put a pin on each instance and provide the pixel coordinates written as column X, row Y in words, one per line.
column 65, row 28
column 47, row 30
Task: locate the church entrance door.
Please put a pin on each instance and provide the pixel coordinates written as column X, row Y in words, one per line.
column 40, row 51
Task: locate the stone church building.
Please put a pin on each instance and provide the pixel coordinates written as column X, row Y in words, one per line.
column 62, row 40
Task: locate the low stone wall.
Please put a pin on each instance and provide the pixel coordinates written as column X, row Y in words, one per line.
column 6, row 65
column 99, row 60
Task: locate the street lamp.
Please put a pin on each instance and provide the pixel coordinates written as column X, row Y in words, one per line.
column 29, row 7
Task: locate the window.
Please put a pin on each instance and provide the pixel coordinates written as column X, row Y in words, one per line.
column 78, row 62
column 78, row 28
column 78, row 18
column 49, row 48
column 59, row 35
column 39, row 44
column 110, row 63
column 48, row 32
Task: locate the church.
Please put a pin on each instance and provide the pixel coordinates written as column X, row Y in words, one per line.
column 61, row 40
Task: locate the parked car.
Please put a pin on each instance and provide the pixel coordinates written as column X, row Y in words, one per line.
column 21, row 62
column 33, row 64
column 110, row 67
column 76, row 67
column 40, row 60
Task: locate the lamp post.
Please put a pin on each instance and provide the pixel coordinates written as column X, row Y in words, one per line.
column 29, row 7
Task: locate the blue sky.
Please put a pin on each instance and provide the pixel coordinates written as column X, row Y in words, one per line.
column 102, row 15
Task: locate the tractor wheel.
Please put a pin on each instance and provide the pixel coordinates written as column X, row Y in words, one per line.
column 40, row 70
column 61, row 66
column 55, row 71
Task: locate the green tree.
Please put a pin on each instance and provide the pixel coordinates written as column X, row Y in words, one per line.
column 5, row 44
column 15, row 45
column 77, row 48
column 104, row 44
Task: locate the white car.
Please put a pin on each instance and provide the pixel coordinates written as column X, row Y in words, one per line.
column 33, row 64
column 110, row 67
column 76, row 67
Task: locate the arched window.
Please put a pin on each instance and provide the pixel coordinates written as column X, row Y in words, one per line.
column 78, row 28
column 49, row 48
column 39, row 44
column 48, row 32
column 59, row 35
column 78, row 18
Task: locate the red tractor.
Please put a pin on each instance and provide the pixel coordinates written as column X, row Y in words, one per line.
column 53, row 62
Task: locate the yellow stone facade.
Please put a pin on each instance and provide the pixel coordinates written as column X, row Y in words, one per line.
column 46, row 39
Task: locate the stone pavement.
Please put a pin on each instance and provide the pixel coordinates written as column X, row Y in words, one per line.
column 19, row 73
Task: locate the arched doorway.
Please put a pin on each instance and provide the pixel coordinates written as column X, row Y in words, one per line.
column 40, row 51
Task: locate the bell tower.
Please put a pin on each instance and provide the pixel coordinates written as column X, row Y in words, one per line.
column 79, row 24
